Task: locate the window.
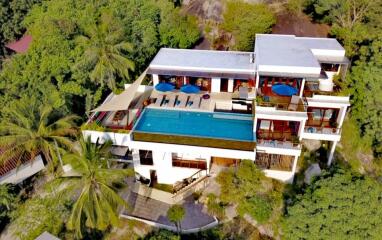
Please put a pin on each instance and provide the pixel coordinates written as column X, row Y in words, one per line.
column 146, row 157
column 322, row 116
column 328, row 67
column 189, row 163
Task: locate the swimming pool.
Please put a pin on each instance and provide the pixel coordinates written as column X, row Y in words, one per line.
column 200, row 124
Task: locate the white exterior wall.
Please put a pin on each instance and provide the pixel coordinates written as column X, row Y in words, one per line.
column 166, row 173
column 215, row 84
column 230, row 85
column 155, row 79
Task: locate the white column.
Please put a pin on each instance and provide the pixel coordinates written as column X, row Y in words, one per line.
column 301, row 129
column 294, row 167
column 215, row 84
column 254, row 124
column 230, row 85
column 302, row 87
column 331, row 153
column 155, row 79
column 341, row 118
column 208, row 161
column 257, row 81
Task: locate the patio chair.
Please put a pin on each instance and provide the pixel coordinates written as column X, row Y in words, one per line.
column 293, row 105
column 196, row 104
column 181, row 101
column 190, row 102
column 159, row 101
column 172, row 100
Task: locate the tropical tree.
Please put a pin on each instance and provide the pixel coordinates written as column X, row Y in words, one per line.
column 28, row 130
column 8, row 202
column 176, row 214
column 105, row 51
column 98, row 202
column 338, row 205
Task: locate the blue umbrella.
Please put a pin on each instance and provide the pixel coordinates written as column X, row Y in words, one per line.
column 188, row 88
column 284, row 90
column 164, row 87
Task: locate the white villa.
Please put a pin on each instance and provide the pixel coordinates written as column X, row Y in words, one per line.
column 206, row 107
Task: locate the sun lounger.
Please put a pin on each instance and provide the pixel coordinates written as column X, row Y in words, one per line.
column 159, row 100
column 181, row 101
column 190, row 102
column 171, row 101
column 196, row 103
column 293, row 103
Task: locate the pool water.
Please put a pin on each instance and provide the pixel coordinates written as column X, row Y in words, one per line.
column 201, row 124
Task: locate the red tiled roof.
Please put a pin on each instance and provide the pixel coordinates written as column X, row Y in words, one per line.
column 20, row 46
column 11, row 164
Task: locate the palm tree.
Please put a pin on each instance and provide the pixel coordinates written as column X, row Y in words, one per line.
column 176, row 214
column 98, row 202
column 28, row 131
column 105, row 51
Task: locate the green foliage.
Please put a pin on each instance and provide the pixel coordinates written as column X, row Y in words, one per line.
column 97, row 205
column 176, row 213
column 245, row 20
column 38, row 215
column 296, row 6
column 251, row 190
column 339, row 205
column 8, row 203
column 59, row 64
column 177, row 30
column 106, row 51
column 162, row 235
column 259, row 207
column 28, row 130
column 214, row 206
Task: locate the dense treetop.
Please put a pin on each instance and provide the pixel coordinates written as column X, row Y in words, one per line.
column 339, row 205
column 55, row 66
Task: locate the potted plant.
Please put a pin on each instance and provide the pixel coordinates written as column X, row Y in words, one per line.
column 334, row 126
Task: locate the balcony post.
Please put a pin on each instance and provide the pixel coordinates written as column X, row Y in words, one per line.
column 331, row 153
column 302, row 87
column 301, row 129
column 342, row 114
column 294, row 164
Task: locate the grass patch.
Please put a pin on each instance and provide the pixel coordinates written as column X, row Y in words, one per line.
column 163, row 187
column 352, row 145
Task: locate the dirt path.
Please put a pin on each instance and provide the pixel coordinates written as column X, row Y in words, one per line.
column 300, row 26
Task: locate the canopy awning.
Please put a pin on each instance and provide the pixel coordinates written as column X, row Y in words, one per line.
column 123, row 100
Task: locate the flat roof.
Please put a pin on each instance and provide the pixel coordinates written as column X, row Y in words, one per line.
column 283, row 50
column 320, row 43
column 202, row 60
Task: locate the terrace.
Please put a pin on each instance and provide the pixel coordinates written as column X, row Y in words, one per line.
column 276, row 133
column 280, row 93
column 201, row 101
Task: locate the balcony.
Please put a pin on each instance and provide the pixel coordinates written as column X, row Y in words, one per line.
column 312, row 88
column 274, row 162
column 322, row 133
